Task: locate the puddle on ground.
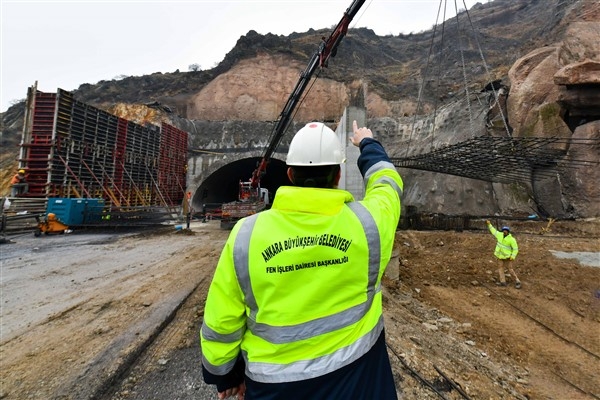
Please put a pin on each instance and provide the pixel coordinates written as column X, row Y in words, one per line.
column 588, row 258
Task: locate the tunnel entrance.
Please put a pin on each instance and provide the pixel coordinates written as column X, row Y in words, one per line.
column 222, row 186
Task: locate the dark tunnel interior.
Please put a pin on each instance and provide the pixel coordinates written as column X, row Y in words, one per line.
column 579, row 109
column 222, row 186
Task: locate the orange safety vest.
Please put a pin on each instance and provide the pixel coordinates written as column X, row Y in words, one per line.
column 17, row 179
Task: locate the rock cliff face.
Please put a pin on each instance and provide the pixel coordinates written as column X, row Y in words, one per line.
column 256, row 89
column 435, row 192
column 581, row 186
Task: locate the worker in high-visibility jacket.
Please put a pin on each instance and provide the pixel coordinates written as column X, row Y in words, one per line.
column 506, row 251
column 294, row 310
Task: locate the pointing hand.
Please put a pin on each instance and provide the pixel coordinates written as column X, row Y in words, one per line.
column 360, row 134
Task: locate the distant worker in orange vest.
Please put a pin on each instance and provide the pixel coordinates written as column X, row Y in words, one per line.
column 18, row 184
column 506, row 251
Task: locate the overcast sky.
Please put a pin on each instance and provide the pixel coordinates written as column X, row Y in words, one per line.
column 63, row 44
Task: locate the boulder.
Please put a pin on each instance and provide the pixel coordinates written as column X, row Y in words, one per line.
column 554, row 93
column 579, row 55
column 581, row 42
column 530, row 87
column 574, row 65
column 580, row 185
column 580, row 73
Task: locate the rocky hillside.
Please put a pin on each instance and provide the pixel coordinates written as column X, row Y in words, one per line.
column 392, row 65
column 396, row 78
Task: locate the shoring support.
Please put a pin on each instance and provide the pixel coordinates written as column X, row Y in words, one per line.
column 114, row 186
column 134, row 186
column 83, row 189
column 104, row 189
column 162, row 198
column 182, row 189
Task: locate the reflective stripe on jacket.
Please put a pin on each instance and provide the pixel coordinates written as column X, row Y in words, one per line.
column 298, row 287
column 506, row 246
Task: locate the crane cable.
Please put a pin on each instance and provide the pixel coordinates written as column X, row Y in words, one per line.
column 435, row 104
column 422, row 85
column 488, row 74
column 464, row 70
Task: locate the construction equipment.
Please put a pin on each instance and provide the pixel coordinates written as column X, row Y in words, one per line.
column 250, row 201
column 51, row 224
column 252, row 198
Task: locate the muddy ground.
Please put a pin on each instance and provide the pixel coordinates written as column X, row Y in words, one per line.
column 77, row 311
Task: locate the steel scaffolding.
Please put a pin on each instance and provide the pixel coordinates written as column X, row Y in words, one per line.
column 71, row 149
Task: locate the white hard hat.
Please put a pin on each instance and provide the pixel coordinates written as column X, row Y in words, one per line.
column 314, row 145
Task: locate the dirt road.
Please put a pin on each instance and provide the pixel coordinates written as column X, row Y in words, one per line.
column 76, row 310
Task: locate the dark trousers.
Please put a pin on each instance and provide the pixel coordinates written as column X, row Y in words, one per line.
column 368, row 378
column 18, row 188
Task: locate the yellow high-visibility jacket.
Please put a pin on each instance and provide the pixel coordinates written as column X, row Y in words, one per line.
column 297, row 288
column 506, row 246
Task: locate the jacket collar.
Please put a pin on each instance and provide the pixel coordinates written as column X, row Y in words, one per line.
column 311, row 200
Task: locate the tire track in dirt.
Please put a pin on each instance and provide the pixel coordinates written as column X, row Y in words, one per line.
column 426, row 338
column 177, row 335
column 450, row 271
column 559, row 342
column 507, row 333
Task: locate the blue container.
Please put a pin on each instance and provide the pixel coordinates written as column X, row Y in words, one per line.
column 76, row 211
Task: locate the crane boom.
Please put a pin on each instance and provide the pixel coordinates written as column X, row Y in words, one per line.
column 252, row 198
column 327, row 49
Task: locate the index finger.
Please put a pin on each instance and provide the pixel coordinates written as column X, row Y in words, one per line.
column 355, row 125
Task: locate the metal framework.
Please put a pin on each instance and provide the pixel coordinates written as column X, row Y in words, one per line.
column 71, row 149
column 500, row 159
column 494, row 159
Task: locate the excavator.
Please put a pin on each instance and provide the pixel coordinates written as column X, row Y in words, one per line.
column 252, row 198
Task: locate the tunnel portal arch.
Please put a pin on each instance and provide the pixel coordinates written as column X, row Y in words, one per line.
column 222, row 184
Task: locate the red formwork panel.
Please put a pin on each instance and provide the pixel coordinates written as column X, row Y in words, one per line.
column 59, row 177
column 119, row 158
column 172, row 165
column 39, row 145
